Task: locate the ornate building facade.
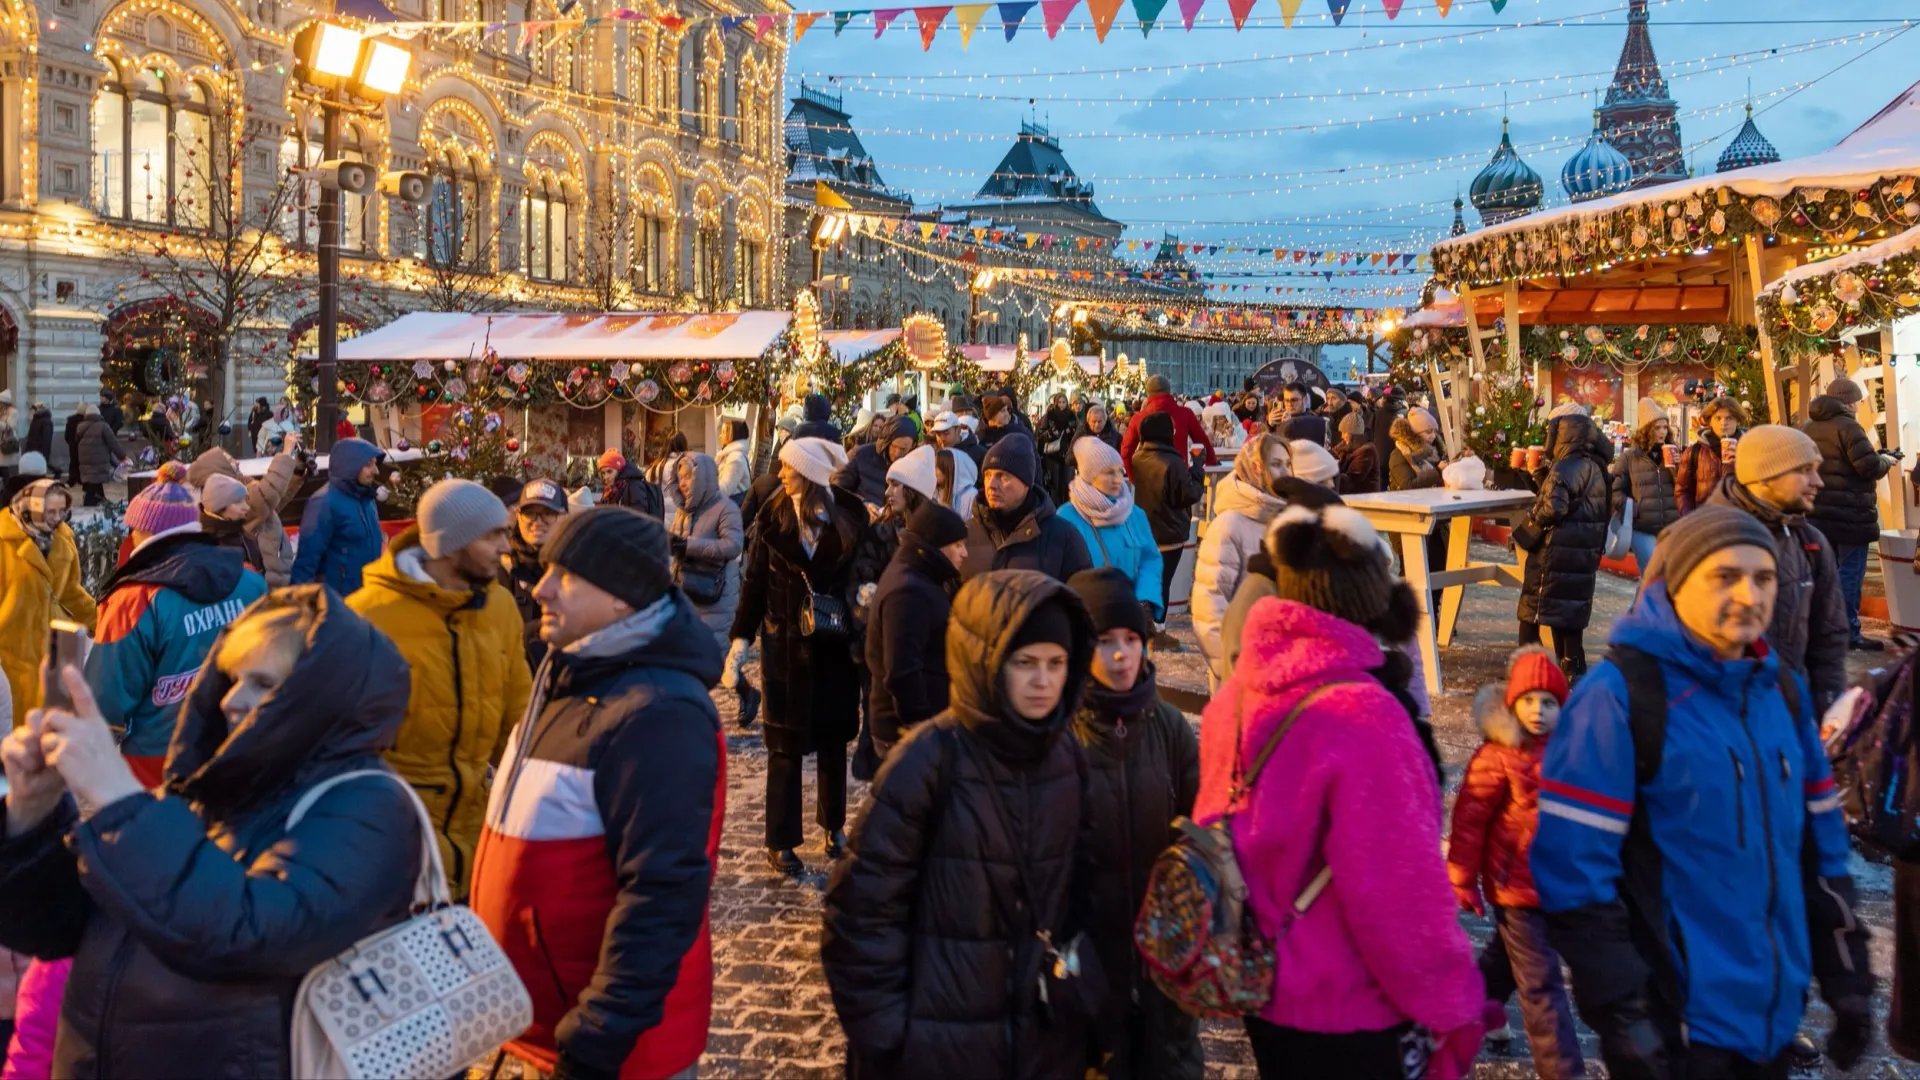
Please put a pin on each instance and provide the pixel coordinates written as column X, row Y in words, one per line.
column 1638, row 116
column 617, row 164
column 872, row 282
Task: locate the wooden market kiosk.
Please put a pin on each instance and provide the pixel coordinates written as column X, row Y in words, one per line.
column 1620, row 298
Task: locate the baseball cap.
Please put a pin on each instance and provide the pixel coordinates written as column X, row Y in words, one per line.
column 946, row 421
column 546, row 493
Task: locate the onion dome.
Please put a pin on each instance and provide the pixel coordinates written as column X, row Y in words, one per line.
column 1506, row 188
column 1596, row 170
column 1748, row 148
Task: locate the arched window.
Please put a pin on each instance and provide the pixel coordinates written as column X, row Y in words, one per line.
column 133, row 168
column 749, row 252
column 550, row 227
column 690, row 67
column 653, row 231
column 300, row 221
column 454, row 211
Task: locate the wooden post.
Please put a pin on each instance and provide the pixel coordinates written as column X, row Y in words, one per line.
column 1775, row 407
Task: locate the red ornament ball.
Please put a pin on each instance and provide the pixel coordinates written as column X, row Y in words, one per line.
column 513, row 446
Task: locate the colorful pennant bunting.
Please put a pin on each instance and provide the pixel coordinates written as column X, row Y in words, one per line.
column 803, row 22
column 1148, row 12
column 840, row 21
column 1188, row 9
column 929, row 20
column 1055, row 12
column 883, row 18
column 1103, row 12
column 1338, row 9
column 968, row 16
column 1392, row 8
column 1012, row 14
column 1240, row 8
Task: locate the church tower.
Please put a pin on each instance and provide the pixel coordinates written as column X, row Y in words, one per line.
column 1638, row 117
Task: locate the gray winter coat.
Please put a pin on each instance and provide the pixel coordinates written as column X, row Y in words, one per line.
column 98, row 449
column 710, row 522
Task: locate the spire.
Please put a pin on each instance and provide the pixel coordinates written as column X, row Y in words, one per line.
column 1459, row 216
column 1637, row 76
column 1638, row 118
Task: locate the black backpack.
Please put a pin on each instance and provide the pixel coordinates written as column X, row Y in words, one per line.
column 1647, row 706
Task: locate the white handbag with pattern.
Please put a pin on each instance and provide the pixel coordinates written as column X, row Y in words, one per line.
column 424, row 997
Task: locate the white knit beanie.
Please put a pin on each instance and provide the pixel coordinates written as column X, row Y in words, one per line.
column 1312, row 462
column 815, row 459
column 1092, row 456
column 918, row 470
column 1422, row 421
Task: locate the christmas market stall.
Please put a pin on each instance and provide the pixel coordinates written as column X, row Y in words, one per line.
column 547, row 392
column 1651, row 292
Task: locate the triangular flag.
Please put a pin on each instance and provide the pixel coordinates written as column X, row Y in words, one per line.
column 802, row 22
column 840, row 21
column 929, row 20
column 1103, row 13
column 884, row 18
column 1188, row 9
column 1055, row 12
column 1148, row 12
column 1031, row 237
column 730, row 23
column 979, row 234
column 1010, row 16
column 826, row 196
column 762, row 26
column 926, row 230
column 1444, row 6
column 1496, row 5
column 1338, row 9
column 1392, row 7
column 1239, row 9
column 1288, row 9
column 969, row 15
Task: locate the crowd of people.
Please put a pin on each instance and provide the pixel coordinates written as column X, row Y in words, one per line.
column 967, row 608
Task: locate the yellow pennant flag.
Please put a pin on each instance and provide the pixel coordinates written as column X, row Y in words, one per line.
column 926, row 230
column 802, row 21
column 969, row 16
column 1288, row 9
column 825, row 196
column 1031, row 237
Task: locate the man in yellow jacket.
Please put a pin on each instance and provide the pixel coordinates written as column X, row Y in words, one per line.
column 433, row 592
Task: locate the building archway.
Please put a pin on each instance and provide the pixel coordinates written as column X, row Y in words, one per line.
column 160, row 348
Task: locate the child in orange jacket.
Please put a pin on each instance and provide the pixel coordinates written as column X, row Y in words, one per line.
column 1494, row 821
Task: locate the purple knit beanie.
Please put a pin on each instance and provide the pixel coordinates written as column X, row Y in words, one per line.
column 166, row 503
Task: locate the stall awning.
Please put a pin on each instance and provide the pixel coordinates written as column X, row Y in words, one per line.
column 439, row 335
column 848, row 346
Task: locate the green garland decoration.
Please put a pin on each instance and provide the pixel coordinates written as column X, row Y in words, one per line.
column 1809, row 316
column 846, row 385
column 1579, row 244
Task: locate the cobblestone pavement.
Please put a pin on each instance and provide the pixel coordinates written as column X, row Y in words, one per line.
column 772, row 1015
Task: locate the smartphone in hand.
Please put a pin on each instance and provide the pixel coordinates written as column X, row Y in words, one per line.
column 67, row 645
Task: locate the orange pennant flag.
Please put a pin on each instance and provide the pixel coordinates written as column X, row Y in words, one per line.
column 969, row 15
column 1103, row 12
column 802, row 22
column 1444, row 6
column 929, row 19
column 1288, row 9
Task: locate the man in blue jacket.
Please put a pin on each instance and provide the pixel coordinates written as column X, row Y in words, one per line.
column 1691, row 857
column 340, row 530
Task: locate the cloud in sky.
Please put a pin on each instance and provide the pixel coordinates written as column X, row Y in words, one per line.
column 1266, row 173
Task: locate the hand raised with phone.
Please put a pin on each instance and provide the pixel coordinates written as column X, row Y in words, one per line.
column 81, row 747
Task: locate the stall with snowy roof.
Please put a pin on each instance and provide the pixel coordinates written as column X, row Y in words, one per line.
column 1635, row 294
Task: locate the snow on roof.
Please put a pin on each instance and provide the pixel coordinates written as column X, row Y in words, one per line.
column 1886, row 145
column 1870, row 256
column 849, row 346
column 442, row 335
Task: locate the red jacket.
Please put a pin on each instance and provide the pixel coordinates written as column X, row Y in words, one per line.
column 1498, row 811
column 595, row 865
column 1699, row 472
column 1185, row 426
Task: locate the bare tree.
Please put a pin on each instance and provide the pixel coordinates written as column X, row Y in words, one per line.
column 608, row 270
column 461, row 256
column 221, row 250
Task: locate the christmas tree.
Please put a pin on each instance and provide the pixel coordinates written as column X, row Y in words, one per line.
column 473, row 445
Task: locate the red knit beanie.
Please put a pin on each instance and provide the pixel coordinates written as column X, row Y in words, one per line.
column 1534, row 668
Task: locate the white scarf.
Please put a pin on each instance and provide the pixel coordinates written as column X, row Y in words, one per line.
column 1100, row 511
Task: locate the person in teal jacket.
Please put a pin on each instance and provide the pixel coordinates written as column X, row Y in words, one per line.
column 1100, row 505
column 340, row 529
column 162, row 611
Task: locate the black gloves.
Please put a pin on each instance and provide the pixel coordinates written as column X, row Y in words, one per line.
column 677, row 544
column 1852, row 1032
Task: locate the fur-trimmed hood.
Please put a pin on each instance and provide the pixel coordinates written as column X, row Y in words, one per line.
column 1496, row 721
column 1409, row 442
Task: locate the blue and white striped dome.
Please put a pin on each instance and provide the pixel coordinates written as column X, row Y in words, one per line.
column 1596, row 170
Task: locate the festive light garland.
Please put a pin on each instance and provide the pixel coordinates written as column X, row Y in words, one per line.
column 1810, row 315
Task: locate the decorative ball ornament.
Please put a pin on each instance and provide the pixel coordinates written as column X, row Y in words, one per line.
column 403, row 445
column 513, row 446
column 450, row 365
column 382, row 493
column 183, row 441
column 433, row 446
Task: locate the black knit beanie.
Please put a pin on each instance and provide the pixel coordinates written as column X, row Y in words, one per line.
column 1110, row 599
column 1156, row 427
column 1013, row 454
column 936, row 524
column 1332, row 559
column 1048, row 623
column 615, row 548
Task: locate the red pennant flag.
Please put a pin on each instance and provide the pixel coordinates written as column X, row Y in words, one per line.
column 1103, row 13
column 884, row 19
column 929, row 20
column 1240, row 8
column 1393, row 8
column 1056, row 12
column 671, row 22
column 802, row 22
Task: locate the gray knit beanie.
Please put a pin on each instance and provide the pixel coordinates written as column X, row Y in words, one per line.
column 1686, row 543
column 455, row 513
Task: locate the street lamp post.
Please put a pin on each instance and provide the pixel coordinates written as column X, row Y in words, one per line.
column 342, row 70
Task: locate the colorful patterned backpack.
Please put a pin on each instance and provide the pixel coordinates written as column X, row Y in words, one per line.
column 1202, row 946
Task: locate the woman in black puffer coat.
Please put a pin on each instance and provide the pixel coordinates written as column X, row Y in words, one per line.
column 1846, row 509
column 1641, row 474
column 1143, row 770
column 975, row 841
column 1564, row 535
column 199, row 912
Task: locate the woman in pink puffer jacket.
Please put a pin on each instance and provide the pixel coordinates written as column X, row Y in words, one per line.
column 1377, row 979
column 36, row 1016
